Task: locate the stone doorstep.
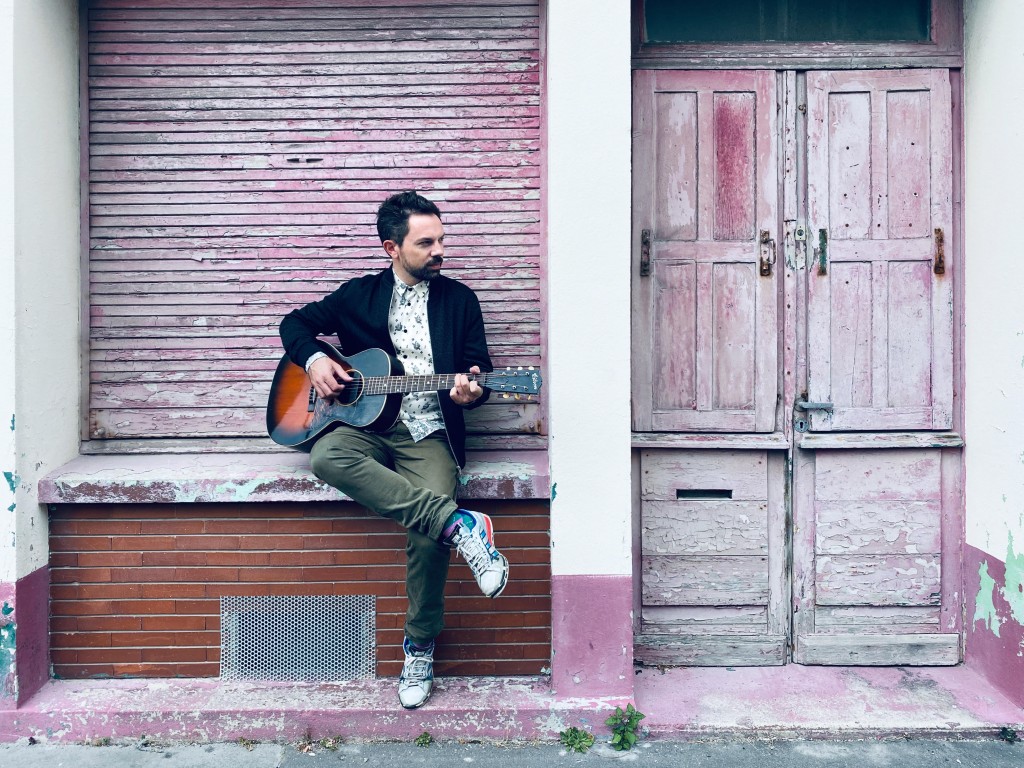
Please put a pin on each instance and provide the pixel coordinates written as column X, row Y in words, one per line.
column 687, row 703
column 261, row 477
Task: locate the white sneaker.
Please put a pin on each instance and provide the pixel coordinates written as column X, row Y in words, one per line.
column 474, row 540
column 417, row 678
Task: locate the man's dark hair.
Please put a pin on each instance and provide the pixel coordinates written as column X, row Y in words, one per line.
column 393, row 214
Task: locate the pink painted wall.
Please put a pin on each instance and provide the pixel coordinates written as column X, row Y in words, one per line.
column 995, row 619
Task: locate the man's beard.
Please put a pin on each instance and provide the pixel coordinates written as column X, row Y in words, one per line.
column 425, row 272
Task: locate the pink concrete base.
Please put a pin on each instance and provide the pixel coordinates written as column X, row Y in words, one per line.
column 213, row 710
column 25, row 609
column 995, row 640
column 592, row 636
column 8, row 669
column 822, row 702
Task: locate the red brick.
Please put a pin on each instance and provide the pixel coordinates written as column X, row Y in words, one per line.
column 136, row 575
column 71, row 575
column 82, row 671
column 81, row 608
column 176, row 591
column 109, row 623
column 237, row 526
column 141, row 639
column 63, row 559
column 206, row 543
column 173, row 623
column 108, row 527
column 174, row 527
column 270, row 542
column 64, row 655
column 109, row 655
column 80, row 639
column 200, row 639
column 296, row 559
column 293, row 527
column 176, row 558
column 144, row 543
column 63, row 624
column 240, row 558
column 109, row 559
column 194, row 607
column 206, row 574
column 94, row 591
column 144, row 607
column 80, row 543
column 164, row 655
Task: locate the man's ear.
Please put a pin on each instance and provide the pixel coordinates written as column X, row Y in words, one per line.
column 390, row 248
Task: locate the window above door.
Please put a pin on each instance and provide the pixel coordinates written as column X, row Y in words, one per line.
column 797, row 34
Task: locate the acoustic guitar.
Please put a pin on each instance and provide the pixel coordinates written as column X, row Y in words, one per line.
column 297, row 416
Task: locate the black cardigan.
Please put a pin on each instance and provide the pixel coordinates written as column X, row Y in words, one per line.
column 358, row 313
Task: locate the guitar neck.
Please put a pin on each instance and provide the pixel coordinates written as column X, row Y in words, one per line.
column 434, row 382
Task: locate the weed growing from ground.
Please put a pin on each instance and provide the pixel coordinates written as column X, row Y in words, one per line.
column 624, row 725
column 424, row 739
column 576, row 739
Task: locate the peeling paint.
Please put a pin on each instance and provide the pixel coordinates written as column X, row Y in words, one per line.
column 12, row 480
column 554, row 491
column 8, row 634
column 12, row 422
column 985, row 609
column 1013, row 590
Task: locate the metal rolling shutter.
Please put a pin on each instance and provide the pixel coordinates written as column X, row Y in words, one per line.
column 238, row 152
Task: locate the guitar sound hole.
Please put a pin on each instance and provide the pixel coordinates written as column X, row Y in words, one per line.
column 353, row 389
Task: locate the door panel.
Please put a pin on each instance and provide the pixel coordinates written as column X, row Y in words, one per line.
column 879, row 209
column 705, row 148
column 712, row 558
column 869, row 557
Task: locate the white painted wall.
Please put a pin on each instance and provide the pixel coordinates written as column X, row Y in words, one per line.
column 588, row 273
column 994, row 263
column 7, row 294
column 47, row 262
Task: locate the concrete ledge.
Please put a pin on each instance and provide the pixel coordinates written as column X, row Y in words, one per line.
column 216, row 711
column 253, row 477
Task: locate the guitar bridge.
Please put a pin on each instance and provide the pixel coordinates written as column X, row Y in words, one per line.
column 312, row 400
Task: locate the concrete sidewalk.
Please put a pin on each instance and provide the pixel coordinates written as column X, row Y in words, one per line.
column 702, row 754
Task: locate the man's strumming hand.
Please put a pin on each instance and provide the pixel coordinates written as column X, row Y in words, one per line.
column 328, row 377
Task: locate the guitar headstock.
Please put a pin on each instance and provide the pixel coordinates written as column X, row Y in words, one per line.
column 519, row 383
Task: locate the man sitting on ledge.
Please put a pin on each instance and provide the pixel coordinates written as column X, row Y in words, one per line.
column 409, row 473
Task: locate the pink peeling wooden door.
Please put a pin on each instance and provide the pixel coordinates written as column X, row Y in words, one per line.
column 880, row 214
column 705, row 219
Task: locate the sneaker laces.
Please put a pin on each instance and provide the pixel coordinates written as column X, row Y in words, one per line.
column 473, row 550
column 416, row 669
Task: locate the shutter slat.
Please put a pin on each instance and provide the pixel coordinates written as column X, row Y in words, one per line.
column 239, row 151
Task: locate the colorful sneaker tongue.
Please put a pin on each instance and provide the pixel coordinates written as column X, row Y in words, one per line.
column 451, row 525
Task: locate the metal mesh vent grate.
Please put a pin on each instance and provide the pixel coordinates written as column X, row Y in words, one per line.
column 290, row 637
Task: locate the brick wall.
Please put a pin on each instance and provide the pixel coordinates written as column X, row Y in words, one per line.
column 135, row 588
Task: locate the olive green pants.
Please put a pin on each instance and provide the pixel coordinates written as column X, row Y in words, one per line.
column 412, row 483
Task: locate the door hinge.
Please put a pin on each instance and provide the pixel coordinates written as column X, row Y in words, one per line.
column 645, row 252
column 940, row 251
column 822, row 252
column 768, row 253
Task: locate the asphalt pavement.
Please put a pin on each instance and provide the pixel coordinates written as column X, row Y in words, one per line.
column 903, row 753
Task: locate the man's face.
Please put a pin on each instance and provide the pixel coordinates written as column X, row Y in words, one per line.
column 420, row 255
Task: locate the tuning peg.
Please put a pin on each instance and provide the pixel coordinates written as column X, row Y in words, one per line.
column 517, row 396
column 530, row 368
column 519, row 368
column 508, row 367
column 505, row 395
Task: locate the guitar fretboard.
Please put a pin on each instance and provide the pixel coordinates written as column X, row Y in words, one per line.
column 392, row 385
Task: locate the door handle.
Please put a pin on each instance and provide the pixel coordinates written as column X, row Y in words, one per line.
column 645, row 252
column 767, row 250
column 940, row 251
column 822, row 252
column 803, row 405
